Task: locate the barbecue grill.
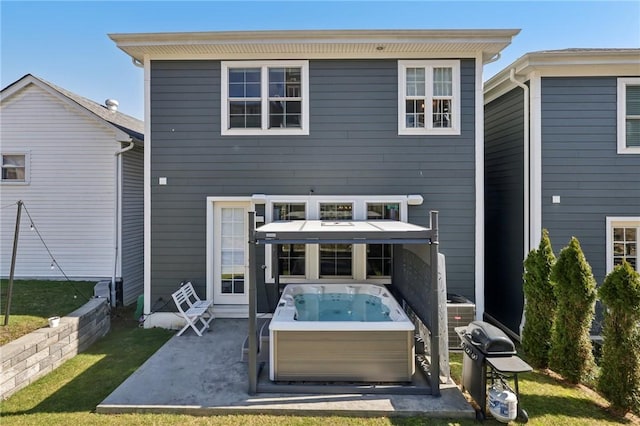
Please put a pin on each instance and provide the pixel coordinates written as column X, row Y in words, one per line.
column 489, row 359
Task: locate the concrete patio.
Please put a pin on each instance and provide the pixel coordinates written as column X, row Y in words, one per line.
column 206, row 376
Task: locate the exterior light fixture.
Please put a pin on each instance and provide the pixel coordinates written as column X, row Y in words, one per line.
column 414, row 200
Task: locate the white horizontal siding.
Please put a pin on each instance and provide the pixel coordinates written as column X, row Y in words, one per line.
column 71, row 191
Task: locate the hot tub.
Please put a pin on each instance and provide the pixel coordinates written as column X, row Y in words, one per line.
column 340, row 332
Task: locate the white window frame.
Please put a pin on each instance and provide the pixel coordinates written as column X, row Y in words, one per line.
column 429, row 65
column 622, row 115
column 27, row 168
column 312, row 206
column 264, row 97
column 618, row 222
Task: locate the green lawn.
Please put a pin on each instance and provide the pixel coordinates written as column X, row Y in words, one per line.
column 33, row 301
column 69, row 395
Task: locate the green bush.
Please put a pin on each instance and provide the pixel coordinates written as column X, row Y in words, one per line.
column 619, row 379
column 540, row 303
column 575, row 290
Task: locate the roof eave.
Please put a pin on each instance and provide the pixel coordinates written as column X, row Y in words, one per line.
column 565, row 63
column 313, row 44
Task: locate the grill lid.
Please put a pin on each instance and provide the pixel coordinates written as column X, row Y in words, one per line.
column 489, row 339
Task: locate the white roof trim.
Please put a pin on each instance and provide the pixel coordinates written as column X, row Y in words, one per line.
column 566, row 63
column 325, row 44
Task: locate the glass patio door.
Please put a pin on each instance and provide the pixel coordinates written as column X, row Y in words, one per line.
column 231, row 236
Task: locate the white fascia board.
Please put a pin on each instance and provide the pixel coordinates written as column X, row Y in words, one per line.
column 319, row 35
column 289, row 56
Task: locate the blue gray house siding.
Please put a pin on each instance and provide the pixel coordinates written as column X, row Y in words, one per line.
column 580, row 164
column 353, row 149
column 133, row 224
column 504, row 208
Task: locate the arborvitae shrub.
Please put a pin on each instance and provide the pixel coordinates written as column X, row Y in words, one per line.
column 575, row 290
column 619, row 379
column 540, row 302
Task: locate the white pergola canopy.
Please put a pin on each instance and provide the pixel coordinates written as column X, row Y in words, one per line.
column 343, row 231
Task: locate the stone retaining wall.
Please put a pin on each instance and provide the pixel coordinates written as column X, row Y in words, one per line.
column 30, row 357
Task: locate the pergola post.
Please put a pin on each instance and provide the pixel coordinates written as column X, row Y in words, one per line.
column 435, row 332
column 253, row 304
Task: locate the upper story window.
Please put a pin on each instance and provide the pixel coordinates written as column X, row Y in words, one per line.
column 15, row 167
column 428, row 97
column 265, row 97
column 629, row 116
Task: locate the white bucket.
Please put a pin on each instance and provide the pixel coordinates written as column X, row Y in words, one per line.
column 54, row 321
column 503, row 404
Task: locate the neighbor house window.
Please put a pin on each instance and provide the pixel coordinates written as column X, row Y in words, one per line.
column 15, row 167
column 379, row 255
column 629, row 116
column 336, row 260
column 291, row 257
column 623, row 237
column 428, row 97
column 265, row 97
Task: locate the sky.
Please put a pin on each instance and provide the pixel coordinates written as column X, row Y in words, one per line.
column 66, row 43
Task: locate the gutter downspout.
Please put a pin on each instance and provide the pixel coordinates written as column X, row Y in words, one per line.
column 527, row 148
column 117, row 214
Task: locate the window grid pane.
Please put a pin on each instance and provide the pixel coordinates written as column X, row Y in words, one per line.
column 285, row 97
column 379, row 255
column 232, row 250
column 13, row 167
column 415, row 113
column 245, row 105
column 291, row 257
column 415, row 82
column 243, row 114
column 442, row 82
column 336, row 211
column 441, row 113
column 633, row 132
column 625, row 245
column 633, row 100
column 336, row 259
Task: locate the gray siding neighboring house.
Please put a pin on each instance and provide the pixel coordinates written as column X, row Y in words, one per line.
column 504, row 218
column 80, row 184
column 350, row 153
column 583, row 171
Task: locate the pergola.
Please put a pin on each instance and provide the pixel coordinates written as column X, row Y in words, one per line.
column 414, row 281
